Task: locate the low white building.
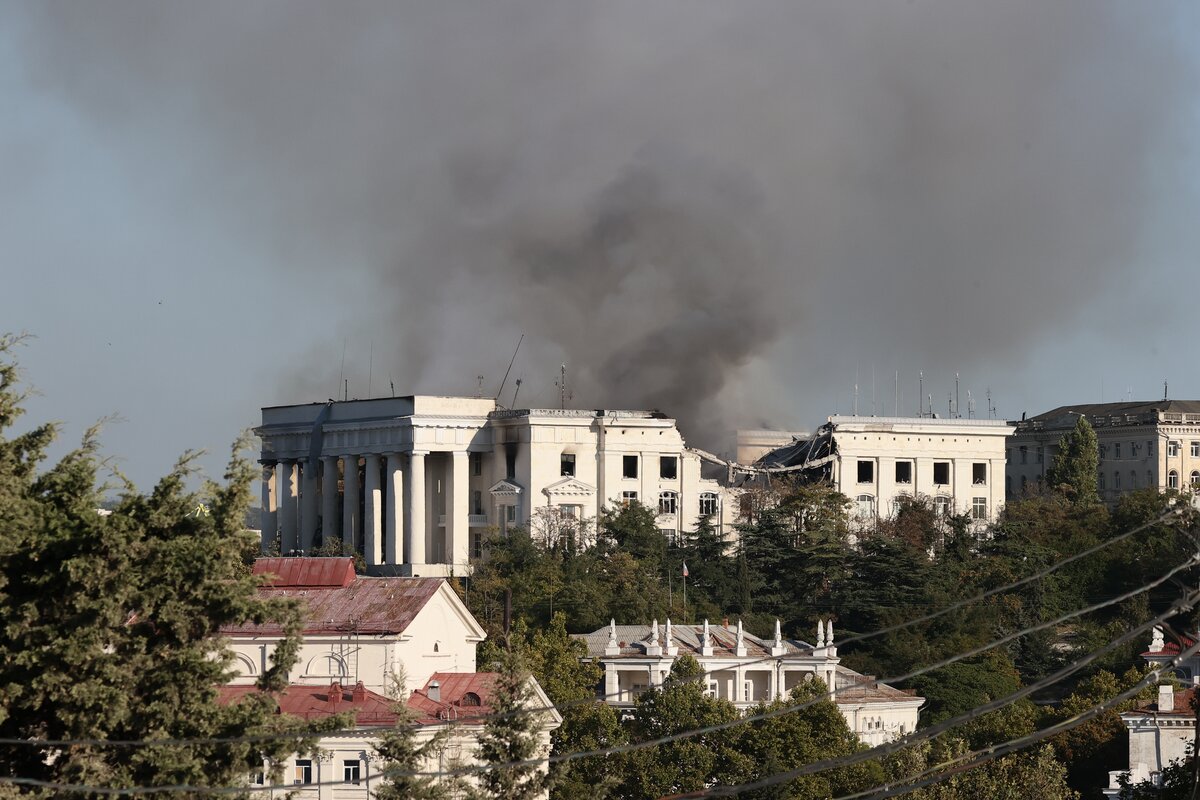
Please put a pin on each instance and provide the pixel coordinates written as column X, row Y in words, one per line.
column 1153, row 444
column 876, row 461
column 414, row 483
column 747, row 670
column 359, row 634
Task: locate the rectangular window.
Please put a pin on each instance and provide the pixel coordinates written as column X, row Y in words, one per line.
column 510, row 461
column 1195, row 449
column 979, row 473
column 1172, row 448
column 1133, row 448
column 476, row 543
column 670, row 535
column 1116, row 480
column 748, row 691
column 941, row 473
column 1116, row 449
column 1100, row 485
column 708, row 504
column 477, row 464
column 668, row 468
column 1041, row 455
column 629, row 466
column 714, row 689
column 567, row 462
column 941, row 506
column 304, row 771
column 628, row 497
column 903, row 472
column 1150, row 447
column 866, row 471
column 351, row 772
column 979, row 508
column 1024, row 454
column 668, row 502
column 510, row 513
column 571, row 512
column 477, row 502
column 258, row 777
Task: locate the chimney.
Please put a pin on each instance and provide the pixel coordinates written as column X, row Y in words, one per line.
column 360, row 693
column 335, row 693
column 434, row 692
column 1166, row 698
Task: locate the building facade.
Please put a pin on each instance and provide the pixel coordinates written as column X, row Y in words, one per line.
column 958, row 464
column 415, row 483
column 747, row 670
column 1142, row 445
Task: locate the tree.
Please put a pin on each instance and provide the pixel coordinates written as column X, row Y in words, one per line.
column 1076, row 464
column 405, row 757
column 111, row 622
column 512, row 735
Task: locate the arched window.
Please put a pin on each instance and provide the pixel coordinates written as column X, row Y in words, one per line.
column 709, row 504
column 1100, row 482
column 1172, row 480
column 668, row 502
column 1116, row 480
column 865, row 505
column 1195, row 479
column 470, row 699
column 941, row 505
column 326, row 665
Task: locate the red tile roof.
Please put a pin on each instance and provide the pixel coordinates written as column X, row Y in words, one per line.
column 366, row 605
column 1169, row 649
column 464, row 696
column 1182, row 704
column 307, row 573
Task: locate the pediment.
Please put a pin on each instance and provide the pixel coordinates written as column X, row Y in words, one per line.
column 570, row 487
column 506, row 488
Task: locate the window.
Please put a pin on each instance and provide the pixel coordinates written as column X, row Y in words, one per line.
column 1024, row 454
column 1041, row 455
column 351, row 772
column 508, row 517
column 1116, row 449
column 714, row 689
column 470, row 699
column 866, row 471
column 748, row 691
column 979, row 473
column 629, row 466
column 941, row 505
column 897, row 504
column 979, row 508
column 1133, row 449
column 668, row 502
column 1116, row 480
column 1172, row 480
column 477, row 464
column 476, row 543
column 1195, row 450
column 709, row 504
column 477, row 502
column 567, row 462
column 1103, row 450
column 258, row 777
column 903, row 472
column 510, row 461
column 941, row 473
column 865, row 505
column 570, row 512
column 1195, row 479
column 1132, row 479
column 628, row 497
column 1172, row 448
column 304, row 772
column 1149, row 477
column 671, row 535
column 668, row 468
column 1149, row 447
column 1100, row 482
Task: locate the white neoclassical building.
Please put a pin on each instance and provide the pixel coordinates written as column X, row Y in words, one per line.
column 1153, row 444
column 414, row 483
column 876, row 461
column 747, row 670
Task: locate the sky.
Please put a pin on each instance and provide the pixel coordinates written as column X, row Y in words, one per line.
column 734, row 213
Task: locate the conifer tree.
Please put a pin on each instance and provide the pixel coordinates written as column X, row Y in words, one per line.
column 511, row 736
column 405, row 758
column 111, row 622
column 1076, row 464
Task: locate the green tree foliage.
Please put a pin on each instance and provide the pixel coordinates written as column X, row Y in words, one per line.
column 111, row 622
column 1076, row 464
column 405, row 756
column 511, row 736
column 1030, row 774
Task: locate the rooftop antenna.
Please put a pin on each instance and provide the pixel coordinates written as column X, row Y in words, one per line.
column 514, row 400
column 563, row 394
column 970, row 405
column 930, row 404
column 342, row 370
column 370, row 367
column 392, row 383
column 991, row 407
column 921, row 394
column 1164, row 390
column 957, row 407
column 479, row 386
column 346, row 384
column 510, row 363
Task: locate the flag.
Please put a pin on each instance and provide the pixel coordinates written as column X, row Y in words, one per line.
column 685, row 572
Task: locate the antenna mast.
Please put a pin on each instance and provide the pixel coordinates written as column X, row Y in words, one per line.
column 510, row 363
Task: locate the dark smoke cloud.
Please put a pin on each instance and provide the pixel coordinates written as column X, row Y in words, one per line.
column 708, row 208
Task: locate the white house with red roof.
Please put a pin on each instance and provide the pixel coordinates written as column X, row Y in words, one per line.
column 1160, row 731
column 359, row 633
column 747, row 670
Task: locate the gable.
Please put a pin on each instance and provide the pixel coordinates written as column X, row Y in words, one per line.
column 506, row 488
column 569, row 487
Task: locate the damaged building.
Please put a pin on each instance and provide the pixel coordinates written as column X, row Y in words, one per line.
column 958, row 464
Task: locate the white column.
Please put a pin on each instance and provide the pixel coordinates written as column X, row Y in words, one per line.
column 351, row 524
column 270, row 509
column 329, row 500
column 414, row 490
column 394, row 544
column 611, row 683
column 285, row 482
column 458, row 508
column 739, row 685
column 308, row 505
column 372, row 511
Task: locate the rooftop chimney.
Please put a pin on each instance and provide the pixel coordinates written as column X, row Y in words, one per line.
column 335, row 693
column 360, row 693
column 1166, row 698
column 434, row 692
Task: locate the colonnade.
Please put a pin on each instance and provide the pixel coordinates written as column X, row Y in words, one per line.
column 381, row 510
